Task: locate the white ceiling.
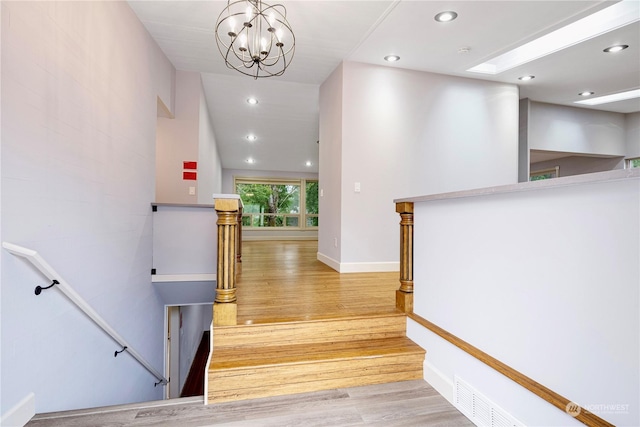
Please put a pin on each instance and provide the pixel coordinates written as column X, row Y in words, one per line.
column 328, row 32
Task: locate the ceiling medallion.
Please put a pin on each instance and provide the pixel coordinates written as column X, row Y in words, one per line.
column 255, row 38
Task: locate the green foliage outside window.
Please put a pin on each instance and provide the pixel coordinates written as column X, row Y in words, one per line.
column 279, row 205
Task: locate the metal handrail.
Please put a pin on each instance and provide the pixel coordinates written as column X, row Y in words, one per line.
column 48, row 271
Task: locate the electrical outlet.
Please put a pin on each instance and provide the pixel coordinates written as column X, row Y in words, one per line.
column 321, row 192
column 192, row 191
column 335, row 242
column 356, row 187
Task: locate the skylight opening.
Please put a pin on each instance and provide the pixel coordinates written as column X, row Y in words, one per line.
column 620, row 14
column 621, row 96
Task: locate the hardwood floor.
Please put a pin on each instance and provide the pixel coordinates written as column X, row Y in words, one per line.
column 283, row 281
column 401, row 404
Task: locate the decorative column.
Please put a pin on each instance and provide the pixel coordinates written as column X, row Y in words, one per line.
column 225, row 309
column 239, row 234
column 404, row 295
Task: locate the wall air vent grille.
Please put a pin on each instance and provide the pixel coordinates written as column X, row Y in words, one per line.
column 480, row 410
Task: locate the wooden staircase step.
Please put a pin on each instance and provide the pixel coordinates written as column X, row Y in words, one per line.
column 246, row 372
column 357, row 328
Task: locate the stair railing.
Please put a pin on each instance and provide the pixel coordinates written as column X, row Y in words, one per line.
column 59, row 283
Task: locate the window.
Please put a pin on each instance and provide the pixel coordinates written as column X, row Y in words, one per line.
column 278, row 203
column 544, row 174
column 633, row 163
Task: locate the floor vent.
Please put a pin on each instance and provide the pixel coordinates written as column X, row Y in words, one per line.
column 480, row 410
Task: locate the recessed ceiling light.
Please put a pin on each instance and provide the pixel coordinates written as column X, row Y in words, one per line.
column 613, row 17
column 616, row 48
column 525, row 78
column 622, row 96
column 252, row 101
column 586, row 93
column 447, row 16
column 392, row 58
column 250, row 161
column 308, row 163
column 252, row 137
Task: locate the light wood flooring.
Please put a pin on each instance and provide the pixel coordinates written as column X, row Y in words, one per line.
column 283, row 281
column 408, row 403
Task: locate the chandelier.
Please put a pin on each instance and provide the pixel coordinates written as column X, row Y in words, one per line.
column 255, row 38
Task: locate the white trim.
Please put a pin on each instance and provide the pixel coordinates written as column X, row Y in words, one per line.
column 246, row 238
column 21, row 413
column 328, row 261
column 162, row 278
column 439, row 381
column 358, row 267
column 369, row 267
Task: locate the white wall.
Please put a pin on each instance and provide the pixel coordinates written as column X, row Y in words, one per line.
column 632, row 132
column 576, row 130
column 209, row 164
column 330, row 169
column 188, row 136
column 178, row 141
column 80, row 82
column 545, row 281
column 404, row 133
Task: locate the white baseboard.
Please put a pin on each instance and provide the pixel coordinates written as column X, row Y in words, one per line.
column 20, row 414
column 440, row 382
column 358, row 267
column 369, row 267
column 263, row 238
column 329, row 261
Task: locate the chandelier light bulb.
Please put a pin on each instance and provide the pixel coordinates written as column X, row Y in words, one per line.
column 232, row 26
column 248, row 13
column 243, row 41
column 272, row 19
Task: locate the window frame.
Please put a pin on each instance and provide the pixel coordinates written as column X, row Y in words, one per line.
column 554, row 170
column 628, row 161
column 302, row 215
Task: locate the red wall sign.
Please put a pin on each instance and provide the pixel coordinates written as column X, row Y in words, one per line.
column 189, row 176
column 190, row 165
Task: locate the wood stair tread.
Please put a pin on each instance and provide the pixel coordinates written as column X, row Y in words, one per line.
column 231, row 358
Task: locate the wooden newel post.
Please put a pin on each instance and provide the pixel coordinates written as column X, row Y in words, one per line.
column 225, row 309
column 239, row 235
column 404, row 295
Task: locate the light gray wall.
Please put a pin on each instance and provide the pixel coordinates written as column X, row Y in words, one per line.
column 209, row 163
column 632, row 131
column 578, row 165
column 406, row 133
column 330, row 166
column 178, row 141
column 185, row 240
column 189, row 136
column 575, row 130
column 80, row 82
column 546, row 281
